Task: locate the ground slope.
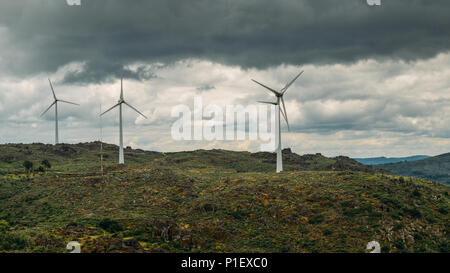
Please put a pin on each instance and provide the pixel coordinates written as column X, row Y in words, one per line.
column 205, row 201
column 434, row 168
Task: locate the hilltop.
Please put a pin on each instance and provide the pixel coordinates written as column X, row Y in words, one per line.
column 212, row 201
column 82, row 156
column 435, row 168
column 387, row 160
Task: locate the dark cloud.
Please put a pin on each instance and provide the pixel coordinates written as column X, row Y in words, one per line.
column 108, row 35
column 94, row 72
column 206, row 87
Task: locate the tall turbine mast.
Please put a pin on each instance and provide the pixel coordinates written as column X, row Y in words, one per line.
column 119, row 103
column 278, row 104
column 55, row 102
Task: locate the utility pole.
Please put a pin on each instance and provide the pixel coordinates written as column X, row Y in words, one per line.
column 101, row 141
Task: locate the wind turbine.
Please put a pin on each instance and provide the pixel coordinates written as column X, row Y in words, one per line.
column 119, row 103
column 279, row 95
column 55, row 102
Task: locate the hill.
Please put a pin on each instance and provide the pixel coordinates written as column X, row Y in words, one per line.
column 83, row 156
column 387, row 160
column 434, row 168
column 212, row 201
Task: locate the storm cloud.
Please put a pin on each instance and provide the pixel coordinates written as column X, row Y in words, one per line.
column 108, row 35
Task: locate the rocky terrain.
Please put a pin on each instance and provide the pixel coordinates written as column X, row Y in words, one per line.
column 211, row 201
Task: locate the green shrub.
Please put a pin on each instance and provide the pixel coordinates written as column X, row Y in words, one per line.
column 375, row 215
column 28, row 165
column 418, row 236
column 110, row 225
column 4, row 226
column 46, row 163
column 416, row 193
column 398, row 226
column 442, row 211
column 398, row 244
column 414, row 212
column 10, row 242
column 316, row 219
column 327, row 232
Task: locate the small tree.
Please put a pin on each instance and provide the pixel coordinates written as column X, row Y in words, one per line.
column 28, row 166
column 46, row 164
column 3, row 225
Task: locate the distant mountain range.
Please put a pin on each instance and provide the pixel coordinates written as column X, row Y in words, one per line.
column 387, row 160
column 435, row 168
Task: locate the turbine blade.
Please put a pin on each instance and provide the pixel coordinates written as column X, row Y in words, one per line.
column 282, row 113
column 53, row 91
column 285, row 113
column 110, row 109
column 267, row 102
column 270, row 89
column 135, row 109
column 121, row 88
column 48, row 108
column 69, row 102
column 289, row 84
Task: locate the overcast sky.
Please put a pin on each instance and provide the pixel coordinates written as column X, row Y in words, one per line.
column 376, row 81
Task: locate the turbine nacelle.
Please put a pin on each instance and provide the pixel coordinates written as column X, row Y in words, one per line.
column 121, row 100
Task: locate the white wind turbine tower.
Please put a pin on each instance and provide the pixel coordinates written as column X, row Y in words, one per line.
column 55, row 102
column 279, row 96
column 119, row 103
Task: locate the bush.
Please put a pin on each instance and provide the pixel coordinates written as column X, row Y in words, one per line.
column 28, row 165
column 399, row 245
column 443, row 211
column 316, row 219
column 375, row 215
column 10, row 242
column 110, row 225
column 399, row 226
column 327, row 232
column 414, row 212
column 4, row 226
column 46, row 163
